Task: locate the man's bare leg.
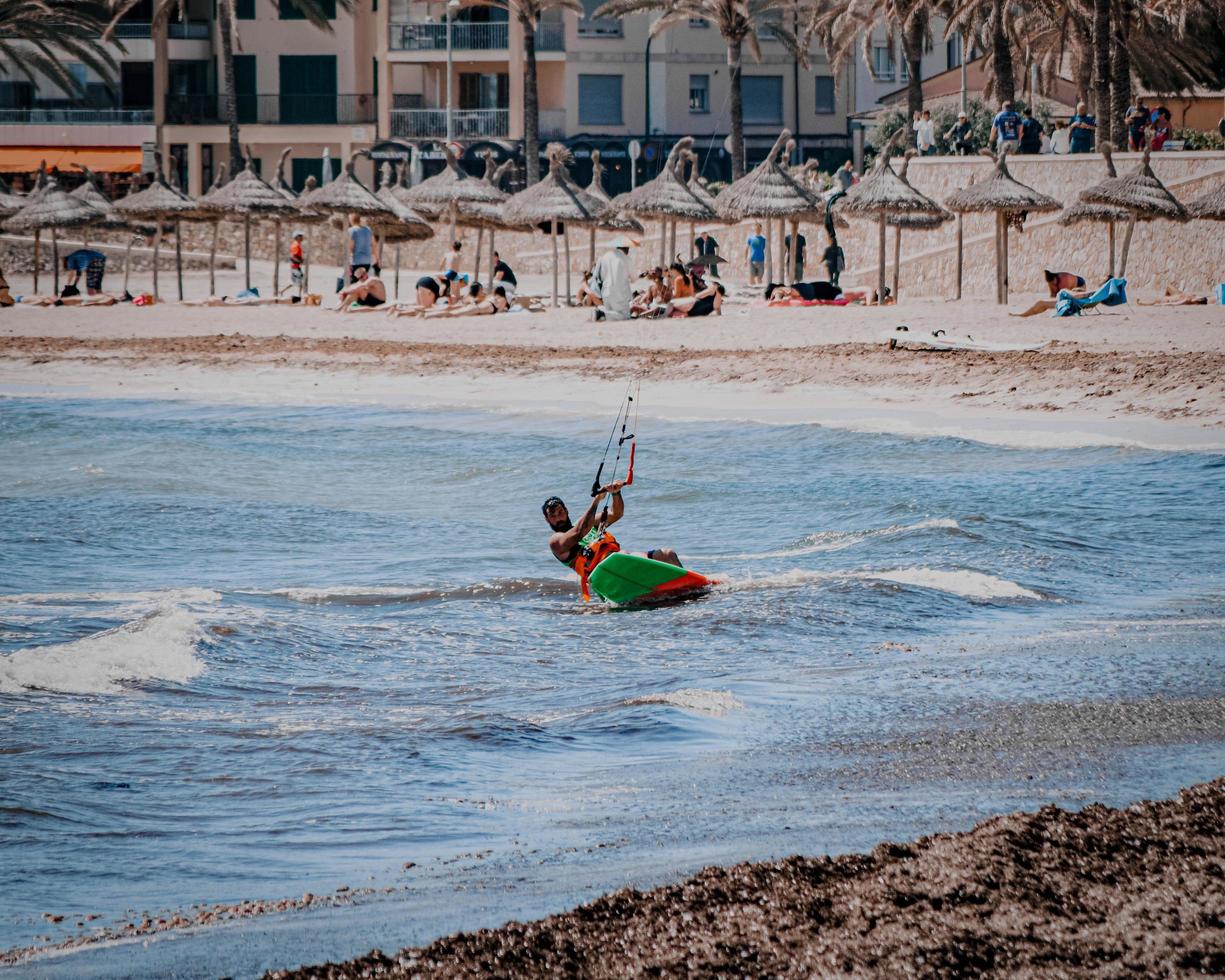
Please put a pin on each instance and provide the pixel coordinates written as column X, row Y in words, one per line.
column 666, row 555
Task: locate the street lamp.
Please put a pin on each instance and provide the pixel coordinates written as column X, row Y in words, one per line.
column 452, row 5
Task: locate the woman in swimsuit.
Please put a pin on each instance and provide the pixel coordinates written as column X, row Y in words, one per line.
column 708, row 301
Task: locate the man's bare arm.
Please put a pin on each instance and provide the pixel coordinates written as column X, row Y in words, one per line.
column 564, row 543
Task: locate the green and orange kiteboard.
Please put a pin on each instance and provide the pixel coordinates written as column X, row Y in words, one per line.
column 621, row 578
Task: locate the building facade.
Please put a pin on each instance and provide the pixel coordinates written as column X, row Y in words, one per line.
column 384, row 77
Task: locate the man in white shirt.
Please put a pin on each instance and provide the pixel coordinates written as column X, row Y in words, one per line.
column 925, row 132
column 1061, row 138
column 612, row 280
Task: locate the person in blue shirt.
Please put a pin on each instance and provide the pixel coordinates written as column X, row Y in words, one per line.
column 88, row 261
column 755, row 250
column 1083, row 127
column 361, row 249
column 1006, row 126
column 1031, row 133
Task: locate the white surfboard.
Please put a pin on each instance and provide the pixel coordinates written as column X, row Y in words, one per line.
column 909, row 339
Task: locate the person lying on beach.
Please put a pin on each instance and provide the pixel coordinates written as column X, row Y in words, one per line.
column 708, row 301
column 779, row 295
column 477, row 303
column 1056, row 281
column 1176, row 297
column 366, row 292
column 1046, row 305
column 430, row 288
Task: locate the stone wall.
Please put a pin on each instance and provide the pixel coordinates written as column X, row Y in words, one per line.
column 17, row 253
column 1190, row 256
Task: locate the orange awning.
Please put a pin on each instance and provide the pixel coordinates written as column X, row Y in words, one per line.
column 99, row 159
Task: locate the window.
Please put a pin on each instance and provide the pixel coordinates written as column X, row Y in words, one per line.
column 699, row 93
column 244, row 9
column 289, row 10
column 308, row 88
column 825, row 103
column 762, row 96
column 478, row 91
column 599, row 100
column 952, row 50
column 882, row 62
column 699, row 22
column 589, row 26
column 80, row 76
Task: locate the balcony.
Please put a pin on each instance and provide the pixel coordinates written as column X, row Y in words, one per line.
column 466, row 123
column 551, row 36
column 427, row 35
column 77, row 117
column 281, row 109
column 176, row 30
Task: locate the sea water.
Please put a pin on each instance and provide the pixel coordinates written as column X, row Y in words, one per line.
column 254, row 652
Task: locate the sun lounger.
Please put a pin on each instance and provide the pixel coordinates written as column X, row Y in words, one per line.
column 1113, row 292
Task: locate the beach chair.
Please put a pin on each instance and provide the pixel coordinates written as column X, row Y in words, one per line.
column 1113, row 292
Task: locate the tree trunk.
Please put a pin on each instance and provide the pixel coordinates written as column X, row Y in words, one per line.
column 912, row 49
column 1084, row 67
column 1001, row 54
column 1101, row 70
column 1120, row 82
column 531, row 104
column 737, row 134
column 229, row 102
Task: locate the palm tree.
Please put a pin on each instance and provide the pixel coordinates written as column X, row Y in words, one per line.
column 528, row 13
column 39, row 37
column 314, row 11
column 987, row 22
column 842, row 25
column 738, row 22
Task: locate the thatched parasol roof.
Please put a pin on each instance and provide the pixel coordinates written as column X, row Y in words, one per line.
column 278, row 182
column 345, row 195
column 910, row 220
column 882, row 191
column 247, row 195
column 1139, row 192
column 556, row 197
column 159, row 198
column 487, row 214
column 696, row 187
column 769, row 191
column 1081, row 213
column 10, row 203
column 91, row 195
column 611, row 218
column 452, row 185
column 667, row 195
column 1209, row 206
column 407, row 225
column 53, row 208
column 1001, row 192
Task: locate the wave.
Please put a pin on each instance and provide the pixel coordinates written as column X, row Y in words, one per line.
column 837, row 540
column 156, row 598
column 691, row 699
column 962, row 582
column 376, row 595
column 159, row 646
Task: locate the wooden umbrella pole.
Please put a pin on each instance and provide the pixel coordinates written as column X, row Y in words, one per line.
column 157, row 250
column 692, row 238
column 553, row 238
column 1004, row 247
column 672, row 241
column 784, row 260
column 246, row 236
column 880, row 277
column 178, row 255
column 397, row 291
column 276, row 257
column 897, row 257
column 591, row 249
column 38, row 258
column 1131, row 226
column 493, row 247
column 960, row 253
column 795, row 251
column 55, row 261
column 127, row 263
column 344, row 260
column 999, row 257
column 212, row 261
column 306, row 266
column 454, row 212
column 1110, row 242
column 663, row 243
column 476, row 262
column 566, row 238
column 769, row 250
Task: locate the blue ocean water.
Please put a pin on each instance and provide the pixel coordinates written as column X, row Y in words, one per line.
column 251, row 652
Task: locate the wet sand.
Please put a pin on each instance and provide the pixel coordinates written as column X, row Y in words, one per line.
column 1100, row 892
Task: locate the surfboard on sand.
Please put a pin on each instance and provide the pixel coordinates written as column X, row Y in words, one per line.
column 939, row 340
column 622, row 578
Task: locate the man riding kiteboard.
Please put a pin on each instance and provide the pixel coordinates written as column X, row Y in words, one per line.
column 584, row 545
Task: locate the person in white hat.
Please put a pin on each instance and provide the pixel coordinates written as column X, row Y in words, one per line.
column 612, row 281
column 961, row 135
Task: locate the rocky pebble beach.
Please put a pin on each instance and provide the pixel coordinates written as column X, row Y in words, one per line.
column 1100, row 892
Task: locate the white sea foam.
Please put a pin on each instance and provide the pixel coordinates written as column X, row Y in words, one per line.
column 153, row 599
column 692, row 699
column 159, row 646
column 961, row 582
column 342, row 593
column 838, row 540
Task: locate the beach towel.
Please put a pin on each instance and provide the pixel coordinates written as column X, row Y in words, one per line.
column 1113, row 292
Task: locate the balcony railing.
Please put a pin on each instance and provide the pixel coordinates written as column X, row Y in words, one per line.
column 77, row 117
column 428, row 35
column 466, row 123
column 283, row 109
column 191, row 30
column 551, row 36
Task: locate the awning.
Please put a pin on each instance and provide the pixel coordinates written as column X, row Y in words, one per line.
column 99, row 159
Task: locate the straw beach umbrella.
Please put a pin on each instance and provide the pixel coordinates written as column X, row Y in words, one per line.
column 555, row 198
column 158, row 201
column 1081, row 213
column 668, row 198
column 346, row 195
column 450, row 190
column 10, row 203
column 205, row 202
column 1010, row 200
column 1209, row 206
column 910, row 222
column 882, row 194
column 769, row 191
column 407, row 225
column 1139, row 193
column 485, row 215
column 54, row 209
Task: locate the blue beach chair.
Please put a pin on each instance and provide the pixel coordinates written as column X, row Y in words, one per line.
column 1113, row 292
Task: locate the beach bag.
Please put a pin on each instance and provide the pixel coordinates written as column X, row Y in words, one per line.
column 144, row 299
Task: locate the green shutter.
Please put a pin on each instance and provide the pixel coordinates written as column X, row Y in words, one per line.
column 308, row 88
column 291, row 10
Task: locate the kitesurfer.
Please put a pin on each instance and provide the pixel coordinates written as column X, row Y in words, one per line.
column 584, row 545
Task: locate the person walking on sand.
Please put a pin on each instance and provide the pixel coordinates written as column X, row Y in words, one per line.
column 755, row 253
column 297, row 258
column 612, row 280
column 362, row 254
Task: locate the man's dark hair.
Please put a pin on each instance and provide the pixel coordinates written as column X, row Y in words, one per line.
column 457, row 245
column 552, row 501
column 721, row 290
column 474, row 289
column 500, row 291
column 770, row 287
column 1027, row 112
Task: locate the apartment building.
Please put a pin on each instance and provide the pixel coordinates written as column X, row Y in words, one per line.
column 380, row 80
